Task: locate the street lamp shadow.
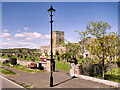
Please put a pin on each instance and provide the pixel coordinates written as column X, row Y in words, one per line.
column 63, row 82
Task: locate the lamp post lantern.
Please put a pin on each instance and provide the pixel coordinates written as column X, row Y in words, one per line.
column 51, row 11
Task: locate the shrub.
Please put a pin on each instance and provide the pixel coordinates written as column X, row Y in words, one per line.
column 9, row 56
column 81, row 56
column 118, row 62
column 57, row 52
column 2, row 54
column 6, row 61
column 90, row 69
column 13, row 61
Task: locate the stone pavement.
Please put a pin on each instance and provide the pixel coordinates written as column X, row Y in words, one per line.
column 61, row 80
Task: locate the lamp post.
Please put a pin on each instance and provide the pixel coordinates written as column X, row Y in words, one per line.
column 51, row 11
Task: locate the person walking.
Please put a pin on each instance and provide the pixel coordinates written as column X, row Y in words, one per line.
column 77, row 71
column 72, row 68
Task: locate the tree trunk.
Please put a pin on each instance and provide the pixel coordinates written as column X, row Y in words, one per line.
column 103, row 72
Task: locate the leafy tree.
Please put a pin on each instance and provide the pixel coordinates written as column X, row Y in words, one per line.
column 29, row 51
column 100, row 45
column 83, row 36
column 72, row 48
column 20, row 50
column 112, row 42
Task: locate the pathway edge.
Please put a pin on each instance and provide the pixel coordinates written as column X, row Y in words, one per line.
column 107, row 82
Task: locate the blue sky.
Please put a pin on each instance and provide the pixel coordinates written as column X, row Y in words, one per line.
column 26, row 24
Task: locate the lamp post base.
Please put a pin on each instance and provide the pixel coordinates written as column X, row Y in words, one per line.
column 51, row 81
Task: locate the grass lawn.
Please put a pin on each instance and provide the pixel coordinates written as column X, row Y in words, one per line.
column 19, row 58
column 0, row 63
column 37, row 59
column 21, row 84
column 24, row 68
column 21, row 67
column 61, row 66
column 5, row 56
column 113, row 75
column 7, row 71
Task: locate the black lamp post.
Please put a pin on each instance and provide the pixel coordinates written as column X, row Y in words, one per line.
column 51, row 10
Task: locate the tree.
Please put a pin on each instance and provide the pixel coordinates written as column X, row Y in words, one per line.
column 72, row 48
column 57, row 52
column 98, row 47
column 112, row 42
column 83, row 36
column 46, row 54
column 20, row 50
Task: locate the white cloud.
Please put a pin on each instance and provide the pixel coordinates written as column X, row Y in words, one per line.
column 18, row 30
column 26, row 28
column 20, row 44
column 24, row 44
column 19, row 35
column 9, row 39
column 37, row 35
column 5, row 30
column 15, row 44
column 29, row 38
column 29, row 34
column 26, row 40
column 47, row 36
column 5, row 35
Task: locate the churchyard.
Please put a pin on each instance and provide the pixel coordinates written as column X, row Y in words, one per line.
column 97, row 57
column 87, row 68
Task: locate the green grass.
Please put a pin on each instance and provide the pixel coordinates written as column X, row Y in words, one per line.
column 7, row 71
column 113, row 75
column 21, row 84
column 21, row 67
column 0, row 63
column 38, row 60
column 7, row 64
column 115, row 78
column 5, row 56
column 114, row 72
column 19, row 58
column 61, row 66
column 24, row 68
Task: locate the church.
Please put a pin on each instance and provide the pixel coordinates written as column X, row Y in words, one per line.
column 58, row 41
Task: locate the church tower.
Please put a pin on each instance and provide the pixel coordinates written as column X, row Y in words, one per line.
column 58, row 38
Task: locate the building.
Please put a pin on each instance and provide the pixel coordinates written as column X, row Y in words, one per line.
column 57, row 40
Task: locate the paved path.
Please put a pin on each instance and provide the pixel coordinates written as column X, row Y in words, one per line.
column 61, row 80
column 9, row 84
